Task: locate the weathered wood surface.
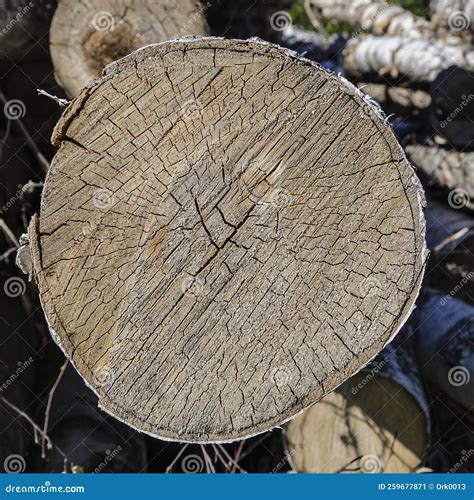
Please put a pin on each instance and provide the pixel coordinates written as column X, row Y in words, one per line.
column 447, row 168
column 211, row 227
column 377, row 421
column 418, row 60
column 86, row 36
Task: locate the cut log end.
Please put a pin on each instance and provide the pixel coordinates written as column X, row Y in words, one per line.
column 227, row 233
column 86, row 36
column 370, row 424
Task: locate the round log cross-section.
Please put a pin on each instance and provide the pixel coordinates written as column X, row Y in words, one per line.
column 227, row 233
column 85, row 36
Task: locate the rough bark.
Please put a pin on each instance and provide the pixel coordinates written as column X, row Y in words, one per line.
column 210, row 229
column 418, row 60
column 447, row 168
column 86, row 36
column 376, row 16
column 377, row 421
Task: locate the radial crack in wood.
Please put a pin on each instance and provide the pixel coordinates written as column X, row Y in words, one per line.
column 227, row 233
column 86, row 36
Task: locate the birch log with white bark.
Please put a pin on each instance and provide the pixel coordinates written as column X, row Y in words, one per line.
column 376, row 16
column 457, row 15
column 418, row 60
column 447, row 168
column 86, row 36
column 208, row 227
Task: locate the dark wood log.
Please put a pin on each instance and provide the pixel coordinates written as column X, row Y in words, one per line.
column 452, row 111
column 450, row 237
column 444, row 345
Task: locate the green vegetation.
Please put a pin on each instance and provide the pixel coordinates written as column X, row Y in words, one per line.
column 299, row 17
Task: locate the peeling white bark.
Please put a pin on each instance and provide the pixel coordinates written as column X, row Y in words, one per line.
column 419, row 60
column 457, row 15
column 376, row 16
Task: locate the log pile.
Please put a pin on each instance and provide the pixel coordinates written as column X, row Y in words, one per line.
column 420, row 72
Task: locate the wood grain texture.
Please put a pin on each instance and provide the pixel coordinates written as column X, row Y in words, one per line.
column 87, row 35
column 227, row 233
column 380, row 428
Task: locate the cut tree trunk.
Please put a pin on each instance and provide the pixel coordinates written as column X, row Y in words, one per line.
column 208, row 227
column 447, row 168
column 376, row 16
column 86, row 36
column 418, row 60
